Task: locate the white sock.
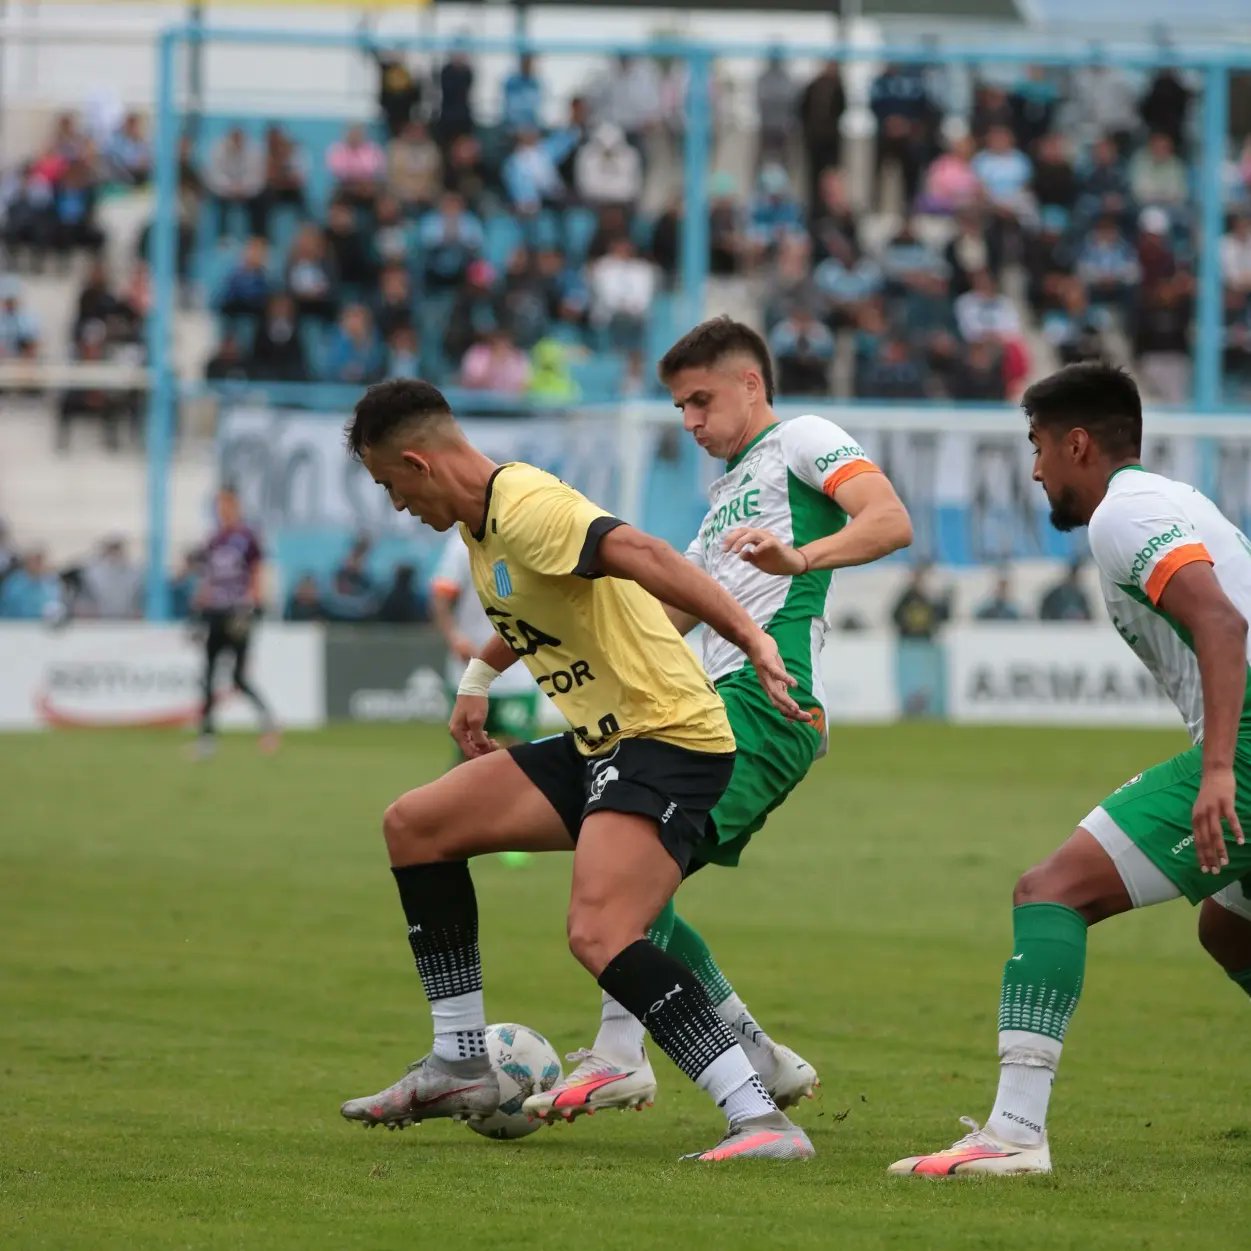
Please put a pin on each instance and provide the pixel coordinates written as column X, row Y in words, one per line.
column 459, row 1026
column 735, row 1087
column 621, row 1034
column 1027, row 1070
column 754, row 1041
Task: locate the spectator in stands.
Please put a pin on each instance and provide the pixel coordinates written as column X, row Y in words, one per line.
column 950, row 183
column 1034, row 98
column 565, row 142
column 349, row 251
column 110, row 585
column 1103, row 186
column 1047, row 259
column 631, row 98
column 74, row 206
column 246, row 288
column 1157, row 175
column 402, row 605
column 496, row 364
column 476, row 312
column 984, row 313
column 353, row 596
column 977, row 374
column 455, row 117
column 190, row 197
column 96, row 301
column 1165, row 106
column 913, row 270
column 1108, row 265
column 19, row 331
column 530, row 177
column 791, row 283
column 128, row 153
column 727, row 229
column 1157, row 259
column 1054, row 180
column 400, row 91
column 999, row 606
column 353, row 352
column 228, row 363
column 27, row 212
column 304, row 602
column 358, row 166
column 284, row 179
column 235, row 177
column 623, row 287
column 403, row 353
column 821, row 109
column 1072, row 328
column 390, row 245
column 918, row 612
column 894, row 373
column 1066, row 601
column 833, row 218
column 776, row 98
column 414, row 168
column 804, row 351
column 311, row 276
column 108, row 407
column 991, row 108
column 1160, row 332
column 901, row 107
column 395, row 301
column 971, row 249
column 523, row 300
column 775, row 213
column 608, row 171
column 1236, row 263
column 845, row 281
column 567, row 293
column 451, row 240
column 551, row 375
column 465, row 173
column 521, row 106
column 32, row 592
column 1101, row 99
column 277, row 350
column 1004, row 172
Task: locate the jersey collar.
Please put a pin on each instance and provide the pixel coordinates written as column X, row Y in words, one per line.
column 737, row 458
column 480, row 533
column 1125, row 469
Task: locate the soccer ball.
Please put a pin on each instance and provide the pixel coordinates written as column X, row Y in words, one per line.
column 526, row 1063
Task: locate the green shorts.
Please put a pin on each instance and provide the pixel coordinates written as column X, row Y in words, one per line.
column 1154, row 812
column 513, row 717
column 773, row 756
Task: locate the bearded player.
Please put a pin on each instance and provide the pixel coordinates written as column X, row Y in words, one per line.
column 1176, row 577
column 573, row 592
column 798, row 500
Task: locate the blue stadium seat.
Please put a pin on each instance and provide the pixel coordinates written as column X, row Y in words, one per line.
column 580, row 224
column 600, row 377
column 503, row 237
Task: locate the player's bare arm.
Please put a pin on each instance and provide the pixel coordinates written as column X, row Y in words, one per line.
column 879, row 525
column 1194, row 598
column 442, row 604
column 683, row 622
column 625, row 552
column 469, row 713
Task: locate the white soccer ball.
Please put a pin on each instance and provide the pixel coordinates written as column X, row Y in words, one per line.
column 526, row 1063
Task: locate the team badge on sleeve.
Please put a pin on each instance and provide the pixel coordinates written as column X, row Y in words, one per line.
column 503, row 579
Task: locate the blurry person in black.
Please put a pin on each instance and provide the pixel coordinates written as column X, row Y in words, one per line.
column 227, row 601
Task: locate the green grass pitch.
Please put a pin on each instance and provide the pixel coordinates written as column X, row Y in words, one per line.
column 199, row 962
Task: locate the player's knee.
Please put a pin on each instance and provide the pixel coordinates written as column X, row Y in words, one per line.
column 1225, row 936
column 1035, row 885
column 590, row 939
column 409, row 833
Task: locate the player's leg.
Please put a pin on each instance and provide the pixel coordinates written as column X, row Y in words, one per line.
column 623, row 875
column 1225, row 931
column 241, row 639
column 486, row 805
column 215, row 642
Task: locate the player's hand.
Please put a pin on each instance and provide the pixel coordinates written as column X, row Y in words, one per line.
column 777, row 683
column 766, row 551
column 462, row 648
column 467, row 726
column 1214, row 806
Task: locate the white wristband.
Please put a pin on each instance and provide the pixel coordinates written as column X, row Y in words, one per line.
column 477, row 678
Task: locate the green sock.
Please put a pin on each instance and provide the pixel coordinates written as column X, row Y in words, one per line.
column 1242, row 978
column 1042, row 982
column 661, row 932
column 691, row 949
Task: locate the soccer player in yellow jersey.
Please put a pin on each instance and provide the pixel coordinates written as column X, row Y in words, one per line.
column 576, row 594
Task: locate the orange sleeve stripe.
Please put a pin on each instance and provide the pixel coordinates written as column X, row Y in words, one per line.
column 845, row 473
column 445, row 587
column 1166, row 568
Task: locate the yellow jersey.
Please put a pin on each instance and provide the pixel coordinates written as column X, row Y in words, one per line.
column 600, row 648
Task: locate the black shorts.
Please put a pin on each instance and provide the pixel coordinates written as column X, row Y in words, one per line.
column 676, row 787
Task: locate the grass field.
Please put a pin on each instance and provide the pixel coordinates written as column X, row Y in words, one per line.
column 199, row 962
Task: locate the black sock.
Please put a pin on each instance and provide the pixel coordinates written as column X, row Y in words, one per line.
column 442, row 912
column 667, row 997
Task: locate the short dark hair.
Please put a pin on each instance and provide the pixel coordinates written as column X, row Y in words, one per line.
column 1100, row 398
column 710, row 343
column 387, row 406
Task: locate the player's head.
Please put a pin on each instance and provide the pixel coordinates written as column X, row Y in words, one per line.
column 402, row 432
column 720, row 376
column 229, row 510
column 1085, row 420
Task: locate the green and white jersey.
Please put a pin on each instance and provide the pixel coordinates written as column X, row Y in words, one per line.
column 1144, row 530
column 783, row 481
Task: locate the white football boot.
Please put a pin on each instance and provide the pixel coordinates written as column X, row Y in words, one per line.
column 430, row 1088
column 793, row 1078
column 596, row 1083
column 980, row 1152
column 771, row 1137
